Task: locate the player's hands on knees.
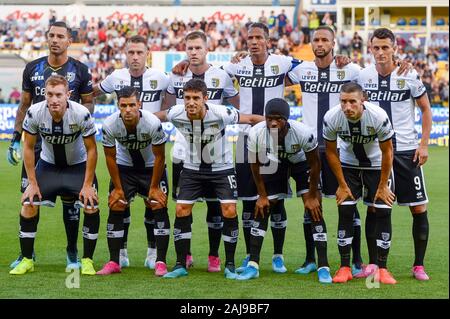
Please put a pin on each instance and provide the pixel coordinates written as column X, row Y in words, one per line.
column 88, row 196
column 404, row 67
column 30, row 192
column 342, row 194
column 384, row 194
column 342, row 60
column 117, row 200
column 421, row 155
column 158, row 195
column 262, row 206
column 312, row 204
column 239, row 56
column 181, row 68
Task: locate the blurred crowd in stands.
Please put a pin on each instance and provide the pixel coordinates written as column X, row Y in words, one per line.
column 101, row 43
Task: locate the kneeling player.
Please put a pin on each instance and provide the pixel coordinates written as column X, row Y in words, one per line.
column 133, row 141
column 274, row 145
column 364, row 129
column 66, row 168
column 208, row 165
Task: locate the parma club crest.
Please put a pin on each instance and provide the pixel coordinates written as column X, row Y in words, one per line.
column 340, row 74
column 70, row 76
column 215, row 82
column 153, row 84
column 401, row 84
column 275, row 69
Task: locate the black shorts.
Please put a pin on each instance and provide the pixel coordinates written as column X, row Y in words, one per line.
column 277, row 185
column 195, row 185
column 364, row 183
column 328, row 181
column 300, row 174
column 245, row 184
column 37, row 156
column 137, row 181
column 56, row 181
column 408, row 180
column 211, row 196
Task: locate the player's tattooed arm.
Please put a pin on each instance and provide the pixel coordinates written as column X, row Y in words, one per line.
column 262, row 204
column 404, row 67
column 25, row 102
column 156, row 192
column 251, row 119
column 239, row 56
column 235, row 101
column 343, row 192
column 28, row 160
column 162, row 115
column 312, row 197
column 88, row 101
column 168, row 101
column 383, row 191
column 116, row 199
column 88, row 194
column 181, row 68
column 342, row 60
column 421, row 154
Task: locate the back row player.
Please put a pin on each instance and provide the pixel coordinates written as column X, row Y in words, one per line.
column 59, row 38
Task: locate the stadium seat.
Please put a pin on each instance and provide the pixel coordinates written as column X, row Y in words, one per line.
column 440, row 22
column 423, row 22
column 401, row 22
column 413, row 22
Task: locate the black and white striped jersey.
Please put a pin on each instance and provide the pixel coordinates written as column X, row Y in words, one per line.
column 358, row 139
column 207, row 147
column 151, row 86
column 260, row 83
column 395, row 94
column 133, row 148
column 321, row 89
column 219, row 86
column 62, row 142
column 299, row 139
column 218, row 83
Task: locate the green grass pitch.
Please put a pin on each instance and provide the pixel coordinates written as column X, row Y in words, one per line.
column 49, row 277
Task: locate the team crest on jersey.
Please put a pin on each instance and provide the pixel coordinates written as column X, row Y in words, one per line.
column 215, row 82
column 295, row 147
column 145, row 136
column 160, row 225
column 340, row 74
column 385, row 236
column 319, row 229
column 401, row 83
column 70, row 76
column 153, row 84
column 275, row 69
column 44, row 129
column 341, row 234
column 214, row 126
column 73, row 127
column 370, row 130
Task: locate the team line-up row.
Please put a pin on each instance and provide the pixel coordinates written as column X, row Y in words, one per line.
column 375, row 137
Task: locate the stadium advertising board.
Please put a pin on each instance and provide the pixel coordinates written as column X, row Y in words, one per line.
column 139, row 13
column 439, row 130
